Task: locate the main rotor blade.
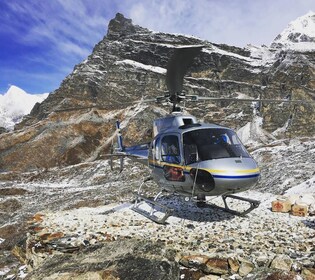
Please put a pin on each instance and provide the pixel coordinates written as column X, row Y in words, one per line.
column 199, row 98
column 177, row 68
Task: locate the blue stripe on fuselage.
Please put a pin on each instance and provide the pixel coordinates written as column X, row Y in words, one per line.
column 235, row 177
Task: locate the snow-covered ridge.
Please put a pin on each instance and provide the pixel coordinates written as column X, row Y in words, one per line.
column 136, row 64
column 298, row 35
column 16, row 103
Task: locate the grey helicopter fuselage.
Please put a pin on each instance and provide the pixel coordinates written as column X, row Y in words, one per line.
column 193, row 159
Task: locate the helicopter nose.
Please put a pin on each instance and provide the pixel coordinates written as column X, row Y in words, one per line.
column 203, row 179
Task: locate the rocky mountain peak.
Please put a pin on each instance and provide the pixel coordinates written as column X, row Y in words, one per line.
column 299, row 34
column 75, row 123
column 121, row 26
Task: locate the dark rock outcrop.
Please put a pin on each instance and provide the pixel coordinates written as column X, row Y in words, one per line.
column 114, row 260
column 2, row 130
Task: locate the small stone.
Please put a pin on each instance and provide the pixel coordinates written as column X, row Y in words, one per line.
column 38, row 229
column 217, row 266
column 193, row 274
column 210, row 277
column 308, row 273
column 283, row 275
column 55, row 235
column 38, row 217
column 93, row 241
column 297, row 267
column 282, row 262
column 190, row 226
column 307, row 263
column 263, row 261
column 245, row 267
column 194, row 261
column 234, row 264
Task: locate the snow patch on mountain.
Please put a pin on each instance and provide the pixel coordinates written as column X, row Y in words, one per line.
column 305, row 187
column 253, row 134
column 217, row 50
column 15, row 104
column 299, row 34
column 261, row 55
column 136, row 64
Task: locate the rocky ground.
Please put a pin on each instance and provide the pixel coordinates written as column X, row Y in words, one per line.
column 77, row 223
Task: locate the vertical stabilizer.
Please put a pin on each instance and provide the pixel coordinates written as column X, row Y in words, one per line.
column 119, row 137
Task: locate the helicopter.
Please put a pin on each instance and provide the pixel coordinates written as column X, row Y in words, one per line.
column 188, row 158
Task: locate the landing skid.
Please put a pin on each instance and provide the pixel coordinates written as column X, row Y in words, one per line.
column 155, row 208
column 152, row 213
column 159, row 213
column 252, row 205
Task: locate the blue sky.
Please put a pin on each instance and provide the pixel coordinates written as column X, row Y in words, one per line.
column 42, row 40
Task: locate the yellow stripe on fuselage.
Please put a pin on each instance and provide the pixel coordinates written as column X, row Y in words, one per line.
column 212, row 171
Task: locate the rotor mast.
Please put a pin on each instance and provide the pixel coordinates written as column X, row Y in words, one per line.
column 176, row 70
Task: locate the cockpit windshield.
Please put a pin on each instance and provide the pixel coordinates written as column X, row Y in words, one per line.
column 212, row 143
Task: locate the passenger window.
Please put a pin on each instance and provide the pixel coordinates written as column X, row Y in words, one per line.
column 170, row 149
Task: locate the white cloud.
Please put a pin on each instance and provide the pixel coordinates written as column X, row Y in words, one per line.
column 64, row 32
column 58, row 21
column 235, row 22
column 83, row 22
column 68, row 47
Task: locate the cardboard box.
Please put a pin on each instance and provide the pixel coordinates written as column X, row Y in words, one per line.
column 300, row 210
column 283, row 206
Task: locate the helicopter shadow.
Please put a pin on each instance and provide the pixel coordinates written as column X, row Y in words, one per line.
column 309, row 223
column 188, row 210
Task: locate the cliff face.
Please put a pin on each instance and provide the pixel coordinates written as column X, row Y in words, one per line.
column 75, row 123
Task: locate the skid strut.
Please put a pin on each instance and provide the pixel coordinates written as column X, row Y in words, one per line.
column 253, row 204
column 155, row 207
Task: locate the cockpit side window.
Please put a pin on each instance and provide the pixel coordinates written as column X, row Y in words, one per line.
column 190, row 149
column 170, row 151
column 156, row 149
